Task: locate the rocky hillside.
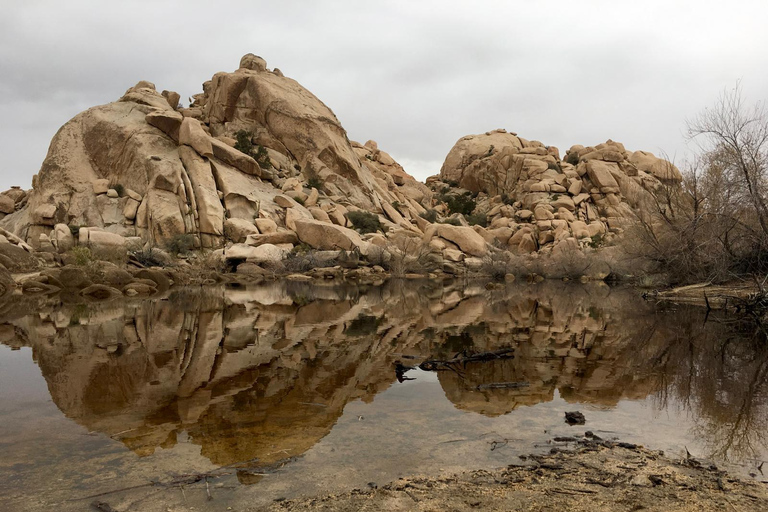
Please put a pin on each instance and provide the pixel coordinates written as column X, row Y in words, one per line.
column 257, row 166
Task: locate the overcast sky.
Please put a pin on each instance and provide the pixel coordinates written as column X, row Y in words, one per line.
column 413, row 75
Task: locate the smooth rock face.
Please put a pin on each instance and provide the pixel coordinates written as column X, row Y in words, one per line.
column 468, row 240
column 328, row 237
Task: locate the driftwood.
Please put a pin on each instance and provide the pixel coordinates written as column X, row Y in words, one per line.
column 503, row 385
column 461, row 360
column 458, row 363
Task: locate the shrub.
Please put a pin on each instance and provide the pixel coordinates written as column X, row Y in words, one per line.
column 245, row 145
column 572, row 158
column 262, row 158
column 596, row 241
column 464, row 204
column 116, row 255
column 181, row 244
column 314, row 182
column 453, row 221
column 430, row 215
column 477, row 219
column 119, row 189
column 365, row 222
column 82, row 256
column 554, row 166
column 148, row 257
column 396, row 205
column 409, row 256
column 244, row 142
column 74, row 229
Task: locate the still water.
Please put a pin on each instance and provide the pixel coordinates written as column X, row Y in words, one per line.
column 212, row 398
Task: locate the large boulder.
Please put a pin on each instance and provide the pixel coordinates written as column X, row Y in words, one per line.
column 263, row 254
column 466, row 238
column 238, row 230
column 329, row 237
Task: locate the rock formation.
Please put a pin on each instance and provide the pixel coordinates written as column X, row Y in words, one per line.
column 148, row 171
column 257, row 165
column 533, row 198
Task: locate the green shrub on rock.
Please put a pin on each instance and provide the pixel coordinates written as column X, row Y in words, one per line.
column 181, row 244
column 364, row 222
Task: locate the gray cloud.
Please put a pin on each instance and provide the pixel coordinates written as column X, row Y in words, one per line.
column 415, row 76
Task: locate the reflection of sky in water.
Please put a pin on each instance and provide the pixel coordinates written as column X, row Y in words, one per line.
column 155, row 389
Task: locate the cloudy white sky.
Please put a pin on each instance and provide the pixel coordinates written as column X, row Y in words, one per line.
column 413, row 75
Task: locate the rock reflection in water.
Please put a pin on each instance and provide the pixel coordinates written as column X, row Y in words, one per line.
column 265, row 372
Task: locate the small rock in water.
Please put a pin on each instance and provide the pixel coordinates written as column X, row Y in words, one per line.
column 575, row 418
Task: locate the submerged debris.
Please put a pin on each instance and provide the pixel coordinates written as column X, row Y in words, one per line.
column 575, row 418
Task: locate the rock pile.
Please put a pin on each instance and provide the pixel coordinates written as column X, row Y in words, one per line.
column 257, row 165
column 532, row 199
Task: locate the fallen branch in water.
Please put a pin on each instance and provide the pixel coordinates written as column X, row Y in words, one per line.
column 436, row 365
column 503, row 385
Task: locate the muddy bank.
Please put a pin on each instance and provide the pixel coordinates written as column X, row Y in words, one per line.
column 594, row 476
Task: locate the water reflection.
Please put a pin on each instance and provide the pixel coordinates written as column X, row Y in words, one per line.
column 246, row 373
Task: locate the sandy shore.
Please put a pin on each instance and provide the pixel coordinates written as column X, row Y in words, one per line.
column 594, row 476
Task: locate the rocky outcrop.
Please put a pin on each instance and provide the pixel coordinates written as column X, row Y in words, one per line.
column 532, row 199
column 258, row 159
column 143, row 168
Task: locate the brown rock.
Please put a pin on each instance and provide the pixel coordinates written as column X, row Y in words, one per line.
column 238, row 230
column 465, row 237
column 320, row 235
column 167, row 121
column 277, row 238
column 192, row 134
column 7, row 205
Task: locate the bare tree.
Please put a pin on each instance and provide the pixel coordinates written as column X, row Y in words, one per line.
column 735, row 136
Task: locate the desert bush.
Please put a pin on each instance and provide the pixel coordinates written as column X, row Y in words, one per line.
column 181, row 244
column 244, row 144
column 315, row 182
column 497, row 264
column 364, row 222
column 409, row 255
column 477, row 219
column 116, row 255
column 299, row 261
column 453, row 221
column 464, row 203
column 429, row 215
column 148, row 257
column 81, row 256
